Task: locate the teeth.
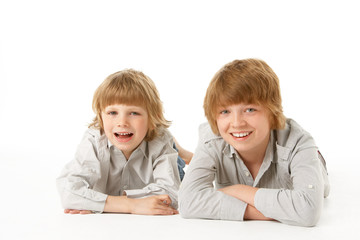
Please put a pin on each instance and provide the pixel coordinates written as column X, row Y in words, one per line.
column 123, row 134
column 241, row 134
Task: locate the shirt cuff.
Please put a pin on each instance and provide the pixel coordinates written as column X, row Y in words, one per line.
column 232, row 208
column 263, row 202
column 97, row 207
column 91, row 200
column 137, row 193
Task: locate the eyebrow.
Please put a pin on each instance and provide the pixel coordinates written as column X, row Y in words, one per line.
column 132, row 107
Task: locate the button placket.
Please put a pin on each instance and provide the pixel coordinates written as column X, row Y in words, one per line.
column 125, row 177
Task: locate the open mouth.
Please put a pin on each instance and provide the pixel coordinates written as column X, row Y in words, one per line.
column 241, row 135
column 123, row 135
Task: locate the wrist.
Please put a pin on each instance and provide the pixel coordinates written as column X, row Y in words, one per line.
column 120, row 204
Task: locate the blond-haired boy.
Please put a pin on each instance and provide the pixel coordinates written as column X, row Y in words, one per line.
column 264, row 166
column 125, row 162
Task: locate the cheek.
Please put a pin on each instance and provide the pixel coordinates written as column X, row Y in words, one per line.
column 107, row 126
column 268, row 121
column 143, row 125
column 265, row 125
column 221, row 125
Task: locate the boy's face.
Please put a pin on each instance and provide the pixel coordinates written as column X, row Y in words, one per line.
column 246, row 127
column 125, row 126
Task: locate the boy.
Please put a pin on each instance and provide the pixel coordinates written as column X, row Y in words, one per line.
column 125, row 162
column 265, row 167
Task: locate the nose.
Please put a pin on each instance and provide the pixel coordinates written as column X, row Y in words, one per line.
column 122, row 120
column 238, row 120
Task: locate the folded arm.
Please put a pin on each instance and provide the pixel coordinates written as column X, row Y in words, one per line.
column 246, row 194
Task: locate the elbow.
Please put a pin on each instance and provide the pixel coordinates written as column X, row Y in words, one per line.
column 310, row 217
column 186, row 208
column 67, row 199
column 305, row 208
column 185, row 211
column 64, row 194
column 311, row 212
column 310, row 222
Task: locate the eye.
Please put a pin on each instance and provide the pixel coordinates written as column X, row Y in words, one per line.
column 112, row 113
column 224, row 112
column 134, row 113
column 249, row 110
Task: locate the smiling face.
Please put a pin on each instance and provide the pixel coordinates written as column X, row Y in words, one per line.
column 246, row 127
column 125, row 126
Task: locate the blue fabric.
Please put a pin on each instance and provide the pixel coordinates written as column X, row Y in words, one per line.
column 181, row 165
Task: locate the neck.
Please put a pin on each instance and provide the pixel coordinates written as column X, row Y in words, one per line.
column 255, row 157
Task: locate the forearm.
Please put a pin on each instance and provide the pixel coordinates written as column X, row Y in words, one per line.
column 242, row 192
column 153, row 205
column 294, row 207
column 251, row 213
column 246, row 194
column 80, row 198
column 118, row 204
column 210, row 204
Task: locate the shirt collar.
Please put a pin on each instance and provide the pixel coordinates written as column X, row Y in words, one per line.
column 230, row 151
column 141, row 148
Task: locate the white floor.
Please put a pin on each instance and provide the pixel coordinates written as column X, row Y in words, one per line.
column 31, row 210
column 53, row 55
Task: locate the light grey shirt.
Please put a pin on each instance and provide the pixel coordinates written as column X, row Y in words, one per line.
column 292, row 179
column 99, row 169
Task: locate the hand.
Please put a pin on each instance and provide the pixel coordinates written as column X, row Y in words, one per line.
column 153, row 205
column 75, row 211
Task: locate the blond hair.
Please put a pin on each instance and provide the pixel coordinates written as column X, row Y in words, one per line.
column 249, row 81
column 130, row 87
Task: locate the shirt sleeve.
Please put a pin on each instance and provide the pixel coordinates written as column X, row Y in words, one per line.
column 197, row 196
column 165, row 174
column 301, row 205
column 77, row 181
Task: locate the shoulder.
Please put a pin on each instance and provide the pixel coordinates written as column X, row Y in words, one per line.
column 209, row 140
column 163, row 141
column 95, row 138
column 294, row 136
column 164, row 137
column 92, row 133
column 206, row 134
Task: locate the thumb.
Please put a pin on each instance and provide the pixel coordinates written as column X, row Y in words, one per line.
column 165, row 199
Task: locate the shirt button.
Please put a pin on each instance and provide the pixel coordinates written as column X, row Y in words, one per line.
column 310, row 186
column 126, row 186
column 247, row 173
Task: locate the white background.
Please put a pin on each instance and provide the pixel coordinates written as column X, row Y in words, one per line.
column 54, row 54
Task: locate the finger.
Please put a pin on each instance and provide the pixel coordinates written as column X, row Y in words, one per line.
column 85, row 212
column 169, row 211
column 74, row 211
column 166, row 209
column 71, row 211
